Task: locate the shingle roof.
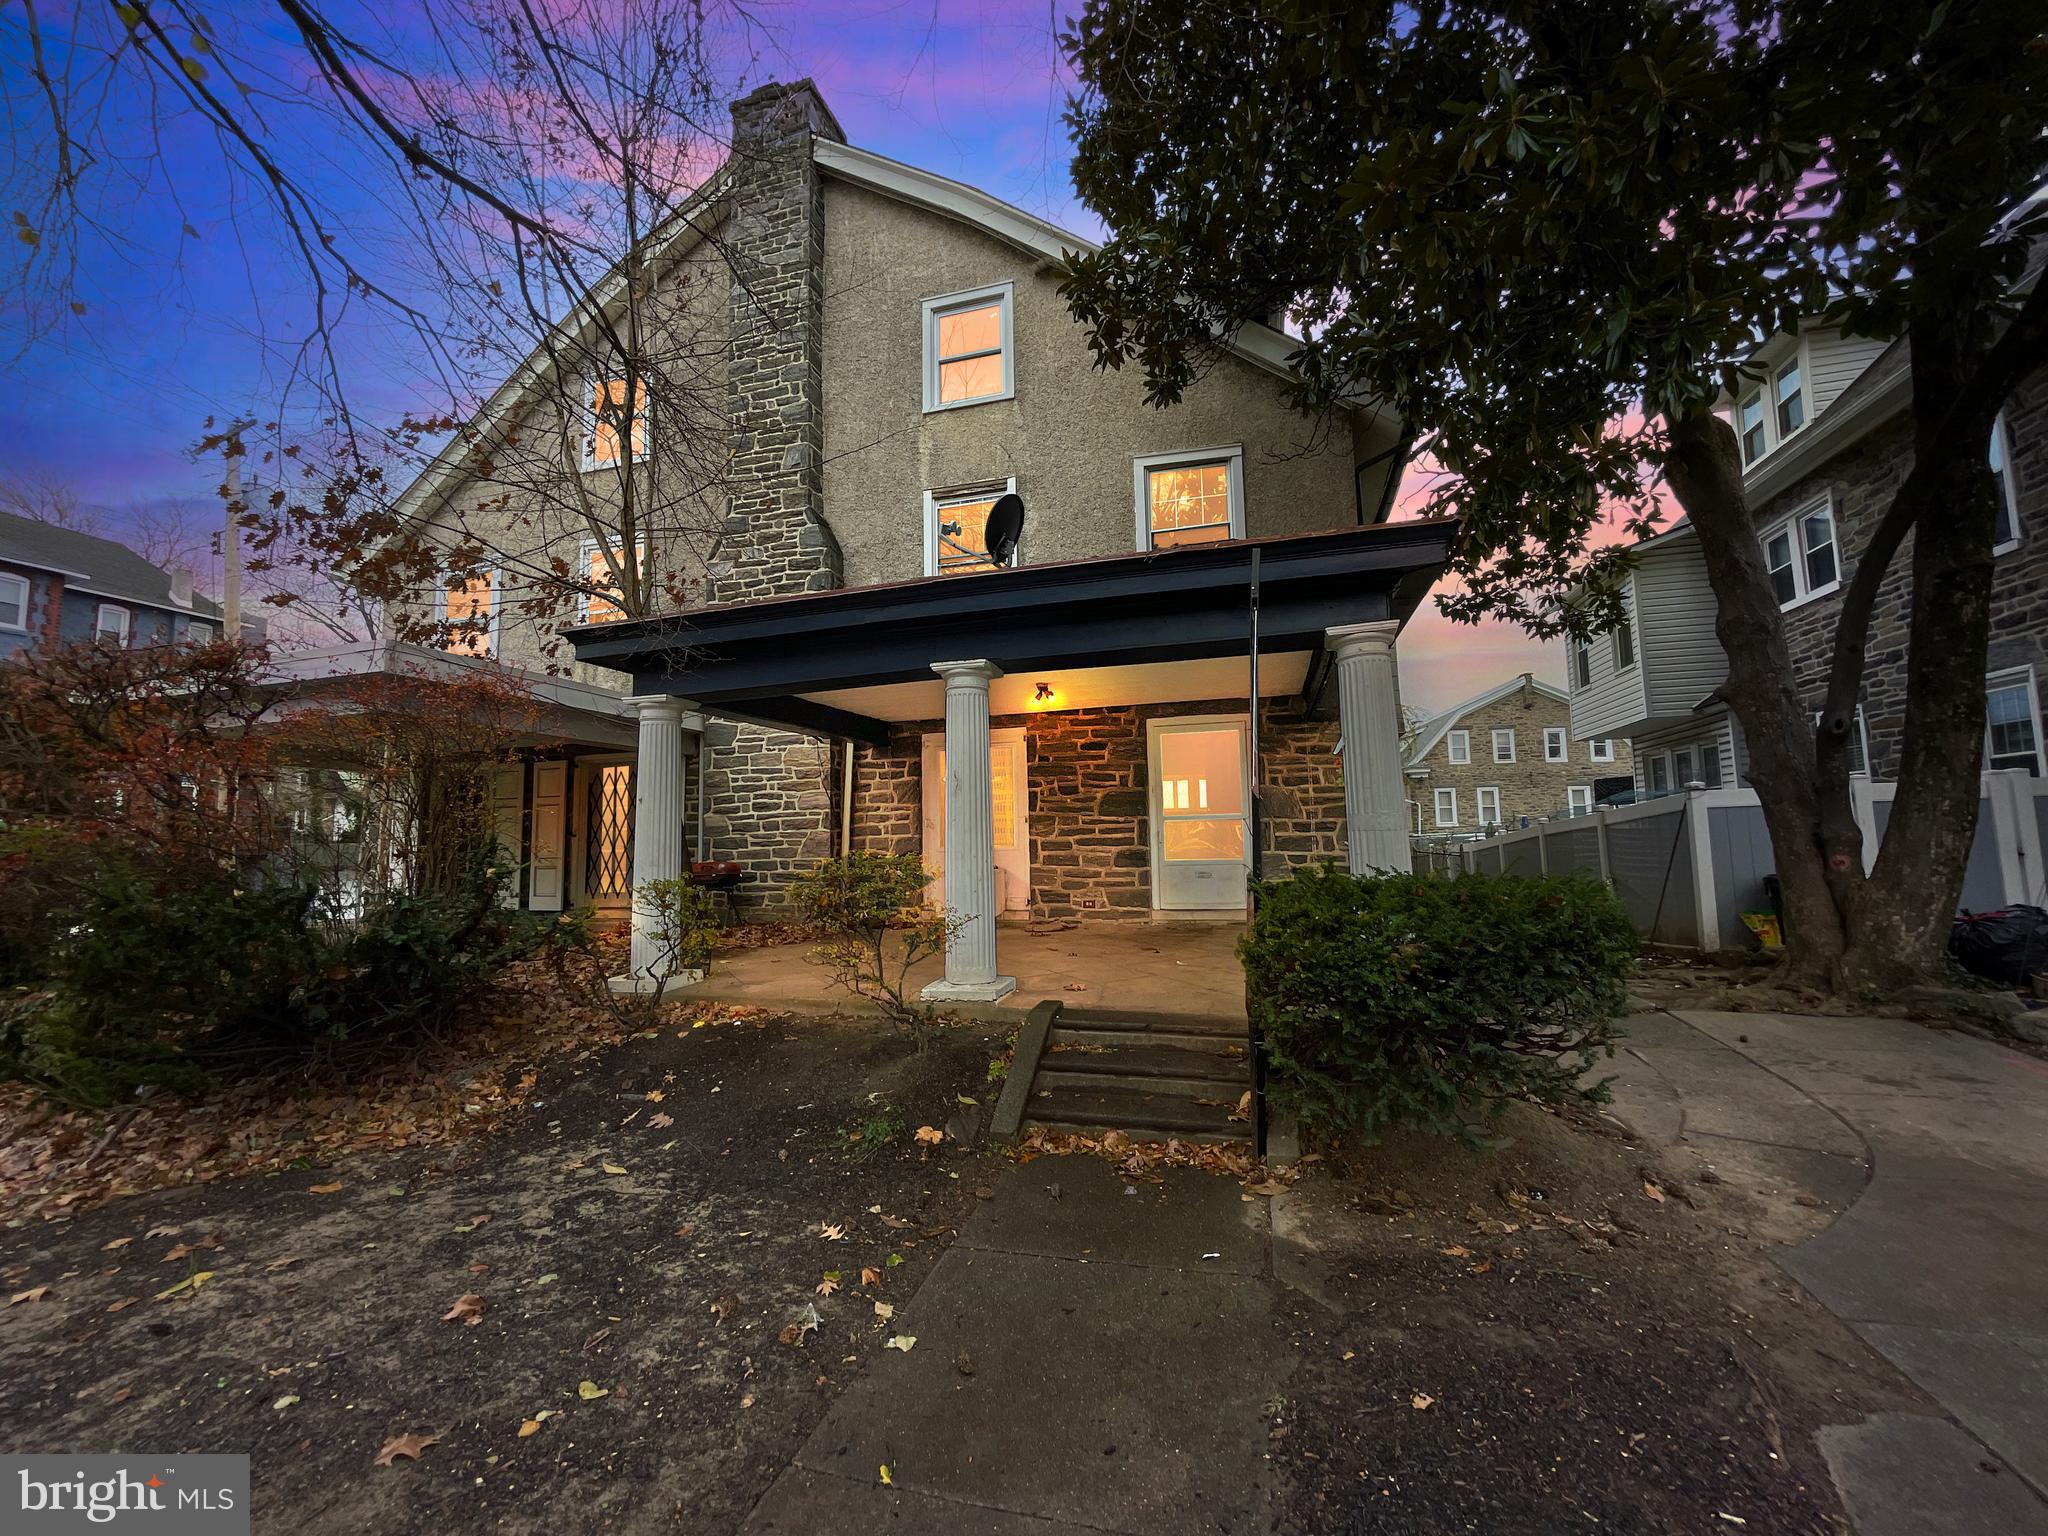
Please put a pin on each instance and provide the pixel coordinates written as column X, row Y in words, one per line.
column 86, row 560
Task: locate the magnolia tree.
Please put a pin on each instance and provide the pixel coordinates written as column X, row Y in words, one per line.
column 1549, row 236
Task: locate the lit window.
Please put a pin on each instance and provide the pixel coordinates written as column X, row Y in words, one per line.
column 967, row 352
column 1504, row 746
column 1553, row 744
column 609, row 422
column 1791, row 400
column 1749, row 425
column 1488, row 809
column 2007, row 536
column 1190, row 499
column 956, row 529
column 1600, row 750
column 1459, row 747
column 1578, row 799
column 1800, row 555
column 2012, row 722
column 470, row 610
column 1447, row 807
column 601, row 605
column 201, row 631
column 13, row 602
column 110, row 624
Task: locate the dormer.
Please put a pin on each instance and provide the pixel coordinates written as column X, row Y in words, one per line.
column 1788, row 382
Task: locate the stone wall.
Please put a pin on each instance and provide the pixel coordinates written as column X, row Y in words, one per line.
column 1089, row 821
column 1529, row 786
column 1862, row 481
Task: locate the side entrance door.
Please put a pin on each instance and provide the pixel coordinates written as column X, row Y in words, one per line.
column 1200, row 846
column 1008, row 796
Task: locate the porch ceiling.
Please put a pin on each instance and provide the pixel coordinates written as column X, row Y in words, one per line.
column 792, row 661
column 1151, row 682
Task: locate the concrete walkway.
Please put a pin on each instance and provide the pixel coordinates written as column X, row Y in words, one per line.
column 1940, row 1264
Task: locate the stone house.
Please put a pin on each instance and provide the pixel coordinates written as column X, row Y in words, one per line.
column 1505, row 757
column 861, row 657
column 62, row 587
column 1826, row 440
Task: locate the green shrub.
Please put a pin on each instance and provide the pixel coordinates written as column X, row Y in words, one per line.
column 683, row 921
column 1414, row 1000
column 856, row 903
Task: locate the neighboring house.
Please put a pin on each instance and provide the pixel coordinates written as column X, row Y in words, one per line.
column 1068, row 734
column 1506, row 756
column 62, row 587
column 1825, row 439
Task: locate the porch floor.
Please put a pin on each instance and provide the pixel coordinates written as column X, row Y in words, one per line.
column 1167, row 967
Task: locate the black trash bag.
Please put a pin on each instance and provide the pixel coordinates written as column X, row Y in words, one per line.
column 2007, row 946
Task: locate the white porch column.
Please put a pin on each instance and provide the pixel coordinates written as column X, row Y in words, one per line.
column 970, row 840
column 1375, row 806
column 657, row 816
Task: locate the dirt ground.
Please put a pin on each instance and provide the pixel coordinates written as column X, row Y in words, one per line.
column 641, row 1234
column 1564, row 1335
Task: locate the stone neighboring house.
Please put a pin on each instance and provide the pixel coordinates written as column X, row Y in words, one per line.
column 1505, row 757
column 62, row 587
column 1059, row 728
column 1825, row 439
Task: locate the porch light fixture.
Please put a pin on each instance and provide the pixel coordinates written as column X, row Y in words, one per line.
column 1044, row 695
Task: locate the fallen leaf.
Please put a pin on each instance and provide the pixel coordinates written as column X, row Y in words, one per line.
column 892, row 1261
column 660, row 1122
column 1483, row 1267
column 162, row 1232
column 182, row 1251
column 930, row 1135
column 963, row 1098
column 686, row 1229
column 963, row 1363
column 590, row 1391
column 725, row 1306
column 613, row 1168
column 529, row 1427
column 886, row 1481
column 334, row 1188
column 1350, row 1354
column 284, row 1263
column 1456, row 1251
column 408, row 1446
column 123, row 1304
column 1653, row 1192
column 468, row 1308
column 119, row 1242
column 869, row 1275
column 285, row 1402
column 903, row 1341
column 884, row 1311
column 655, row 1095
column 191, row 1282
column 895, row 1223
column 1422, row 1401
column 1267, row 1187
column 833, row 1234
column 33, row 1293
column 123, row 1395
column 829, row 1284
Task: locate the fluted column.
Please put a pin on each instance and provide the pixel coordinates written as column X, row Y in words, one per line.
column 970, row 840
column 657, row 818
column 1375, row 806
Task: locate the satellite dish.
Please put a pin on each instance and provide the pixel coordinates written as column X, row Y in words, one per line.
column 1005, row 525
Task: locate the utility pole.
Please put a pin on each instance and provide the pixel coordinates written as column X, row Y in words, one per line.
column 231, row 536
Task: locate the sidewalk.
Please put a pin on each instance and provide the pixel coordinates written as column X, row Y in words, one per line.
column 1941, row 1264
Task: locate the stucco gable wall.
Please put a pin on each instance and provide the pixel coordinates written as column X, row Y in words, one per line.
column 1070, row 434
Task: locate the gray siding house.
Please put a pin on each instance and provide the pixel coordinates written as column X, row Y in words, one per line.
column 62, row 587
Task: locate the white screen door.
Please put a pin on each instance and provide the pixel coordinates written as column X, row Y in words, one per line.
column 1008, row 797
column 1199, row 828
column 544, row 870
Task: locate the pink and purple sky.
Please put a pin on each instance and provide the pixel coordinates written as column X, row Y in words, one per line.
column 183, row 323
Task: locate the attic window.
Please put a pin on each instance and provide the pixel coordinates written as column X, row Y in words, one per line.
column 968, row 351
column 608, row 425
column 1749, row 426
column 1791, row 400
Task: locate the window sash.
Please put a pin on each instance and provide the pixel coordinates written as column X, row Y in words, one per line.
column 1802, row 553
column 1578, row 797
column 201, row 631
column 2006, row 531
column 1791, row 400
column 1625, row 642
column 595, row 607
column 1505, row 739
column 1600, row 749
column 1458, row 747
column 1554, row 748
column 1197, row 512
column 1817, row 533
column 2012, row 725
column 1446, row 808
column 1486, row 805
column 1584, row 654
column 13, row 602
column 471, row 601
column 602, row 397
column 963, row 363
column 112, row 621
column 1750, row 426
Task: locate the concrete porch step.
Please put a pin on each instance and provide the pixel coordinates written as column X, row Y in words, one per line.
column 1190, row 1041
column 1215, row 1090
column 1128, row 1021
column 1138, row 1112
column 1148, row 1058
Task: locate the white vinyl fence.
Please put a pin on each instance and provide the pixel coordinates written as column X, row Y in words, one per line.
column 1687, row 866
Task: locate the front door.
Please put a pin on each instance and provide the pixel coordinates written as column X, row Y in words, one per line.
column 1007, row 794
column 1199, row 827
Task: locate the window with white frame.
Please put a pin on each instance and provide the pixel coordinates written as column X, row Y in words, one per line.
column 1657, row 773
column 1791, row 400
column 1554, row 744
column 469, row 612
column 13, row 602
column 969, row 353
column 2012, row 725
column 600, row 604
column 1582, row 662
column 1749, row 427
column 1190, row 498
column 1487, row 805
column 2007, row 536
column 111, row 623
column 1578, row 799
column 1504, row 746
column 611, row 431
column 1447, row 807
column 1859, row 742
column 201, row 631
column 1600, row 750
column 1458, row 747
column 956, row 529
column 1800, row 555
column 1625, row 640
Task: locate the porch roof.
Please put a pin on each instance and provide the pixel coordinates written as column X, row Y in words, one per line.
column 833, row 662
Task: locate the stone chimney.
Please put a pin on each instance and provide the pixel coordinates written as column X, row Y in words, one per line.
column 776, row 538
column 181, row 584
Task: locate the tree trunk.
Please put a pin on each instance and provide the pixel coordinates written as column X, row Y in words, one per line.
column 1704, row 471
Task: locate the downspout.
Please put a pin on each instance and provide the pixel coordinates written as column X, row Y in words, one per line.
column 1256, row 831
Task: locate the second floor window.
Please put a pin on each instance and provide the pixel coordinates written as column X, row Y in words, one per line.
column 469, row 608
column 1600, row 750
column 2008, row 525
column 1791, row 400
column 1446, row 807
column 613, row 430
column 1504, row 746
column 1553, row 744
column 1749, row 426
column 110, row 624
column 1625, row 641
column 1460, row 747
column 601, row 605
column 13, row 602
column 1190, row 499
column 956, row 529
column 968, row 352
column 1488, row 810
column 1799, row 554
